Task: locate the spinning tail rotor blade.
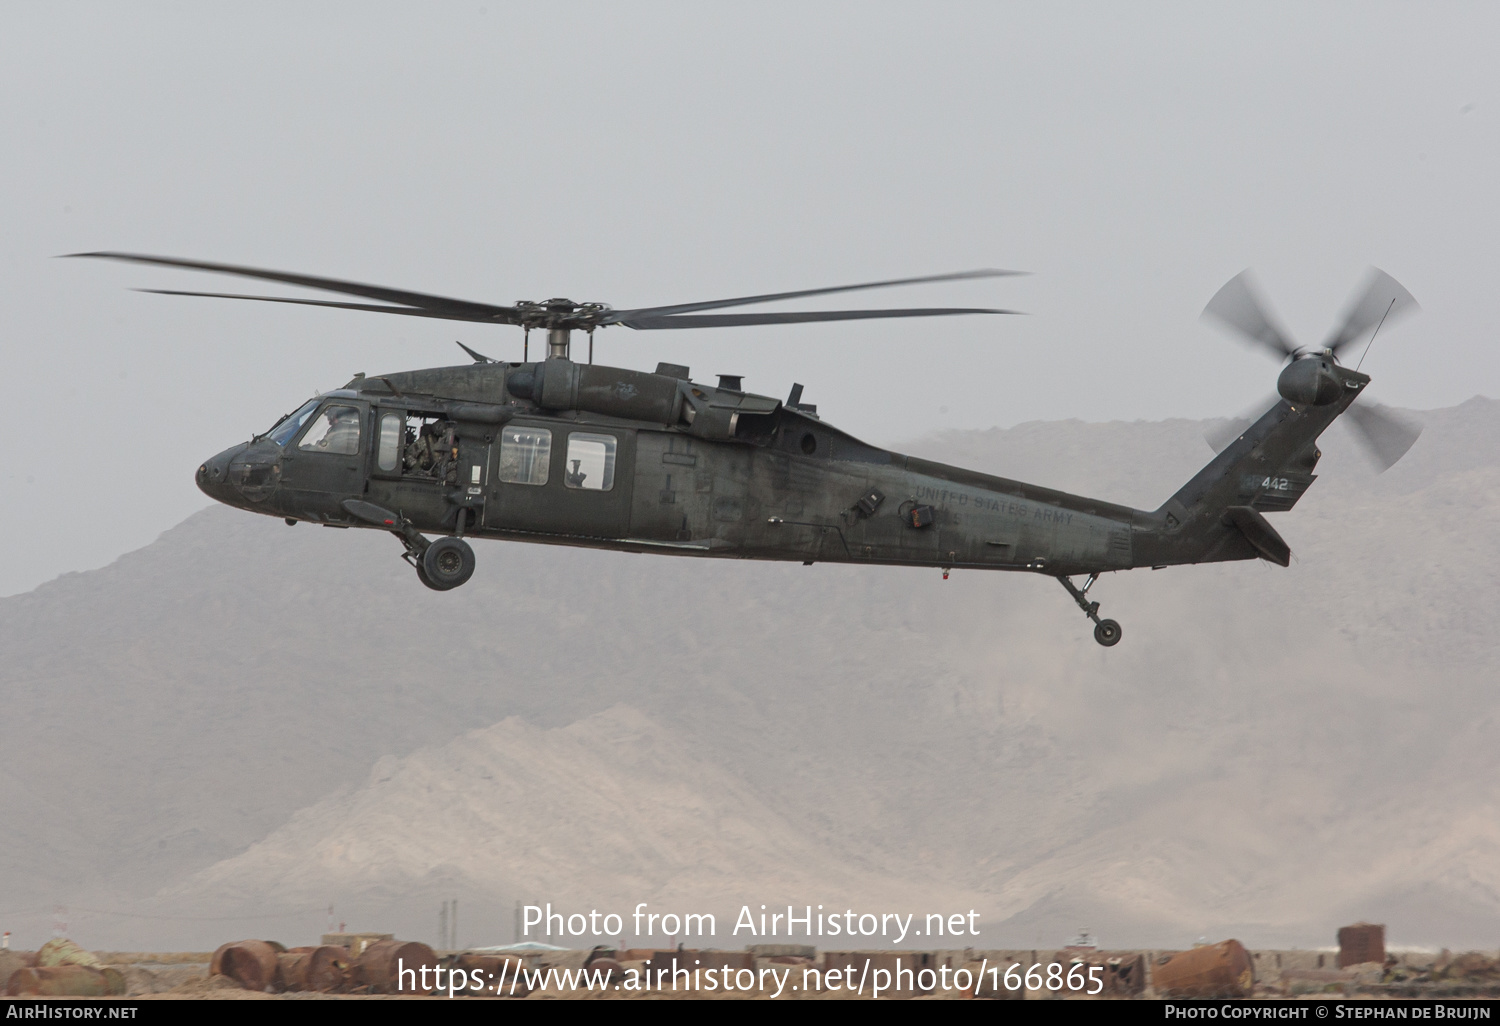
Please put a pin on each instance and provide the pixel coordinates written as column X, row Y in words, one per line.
column 1383, row 298
column 1239, row 306
column 1384, row 434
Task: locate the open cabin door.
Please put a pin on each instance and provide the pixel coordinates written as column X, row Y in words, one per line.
column 429, row 466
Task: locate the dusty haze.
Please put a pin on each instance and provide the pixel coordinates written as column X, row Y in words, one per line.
column 243, row 719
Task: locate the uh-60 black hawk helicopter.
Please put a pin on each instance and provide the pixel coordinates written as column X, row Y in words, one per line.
column 577, row 454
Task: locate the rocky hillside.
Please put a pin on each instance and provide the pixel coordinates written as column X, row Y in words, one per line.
column 191, row 731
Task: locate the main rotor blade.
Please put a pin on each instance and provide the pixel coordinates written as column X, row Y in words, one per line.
column 1384, row 298
column 621, row 316
column 1238, row 306
column 652, row 323
column 372, row 307
column 1385, row 434
column 434, row 306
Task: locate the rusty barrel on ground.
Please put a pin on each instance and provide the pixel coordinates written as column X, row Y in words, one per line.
column 66, row 981
column 291, row 968
column 328, row 968
column 322, row 968
column 1213, row 970
column 395, row 967
column 250, row 963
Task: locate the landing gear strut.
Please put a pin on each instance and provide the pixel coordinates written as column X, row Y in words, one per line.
column 1106, row 632
column 442, row 564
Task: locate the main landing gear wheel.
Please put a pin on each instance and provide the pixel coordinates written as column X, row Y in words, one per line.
column 422, row 576
column 447, row 563
column 1106, row 632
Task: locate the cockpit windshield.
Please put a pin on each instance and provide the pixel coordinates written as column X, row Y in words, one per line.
column 285, row 429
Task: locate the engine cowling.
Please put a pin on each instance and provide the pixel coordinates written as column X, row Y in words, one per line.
column 563, row 385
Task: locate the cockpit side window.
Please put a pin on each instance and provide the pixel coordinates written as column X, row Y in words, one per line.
column 335, row 431
column 285, row 429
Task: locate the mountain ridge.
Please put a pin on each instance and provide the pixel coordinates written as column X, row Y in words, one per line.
column 165, row 715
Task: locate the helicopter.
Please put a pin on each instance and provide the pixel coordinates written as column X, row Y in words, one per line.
column 569, row 453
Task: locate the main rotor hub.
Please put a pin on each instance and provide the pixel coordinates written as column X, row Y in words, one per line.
column 560, row 315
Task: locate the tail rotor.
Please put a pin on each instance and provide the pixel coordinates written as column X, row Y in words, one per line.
column 1385, row 435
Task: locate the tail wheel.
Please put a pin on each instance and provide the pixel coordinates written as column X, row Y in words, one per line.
column 447, row 563
column 1107, row 633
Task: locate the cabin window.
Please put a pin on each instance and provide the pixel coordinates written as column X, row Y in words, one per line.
column 591, row 462
column 525, row 454
column 388, row 456
column 335, row 431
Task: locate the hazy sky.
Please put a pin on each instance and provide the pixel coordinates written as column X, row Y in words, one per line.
column 1133, row 157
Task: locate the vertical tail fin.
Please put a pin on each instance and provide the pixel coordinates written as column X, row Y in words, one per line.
column 1216, row 516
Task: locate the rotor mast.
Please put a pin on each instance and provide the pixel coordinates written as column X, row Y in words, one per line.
column 557, row 343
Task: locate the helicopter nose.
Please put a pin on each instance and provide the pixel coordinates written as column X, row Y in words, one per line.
column 213, row 476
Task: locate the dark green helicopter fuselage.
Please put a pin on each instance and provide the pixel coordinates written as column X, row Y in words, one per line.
column 579, row 454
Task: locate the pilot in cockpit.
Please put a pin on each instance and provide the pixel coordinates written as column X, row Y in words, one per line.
column 343, row 430
column 337, row 432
